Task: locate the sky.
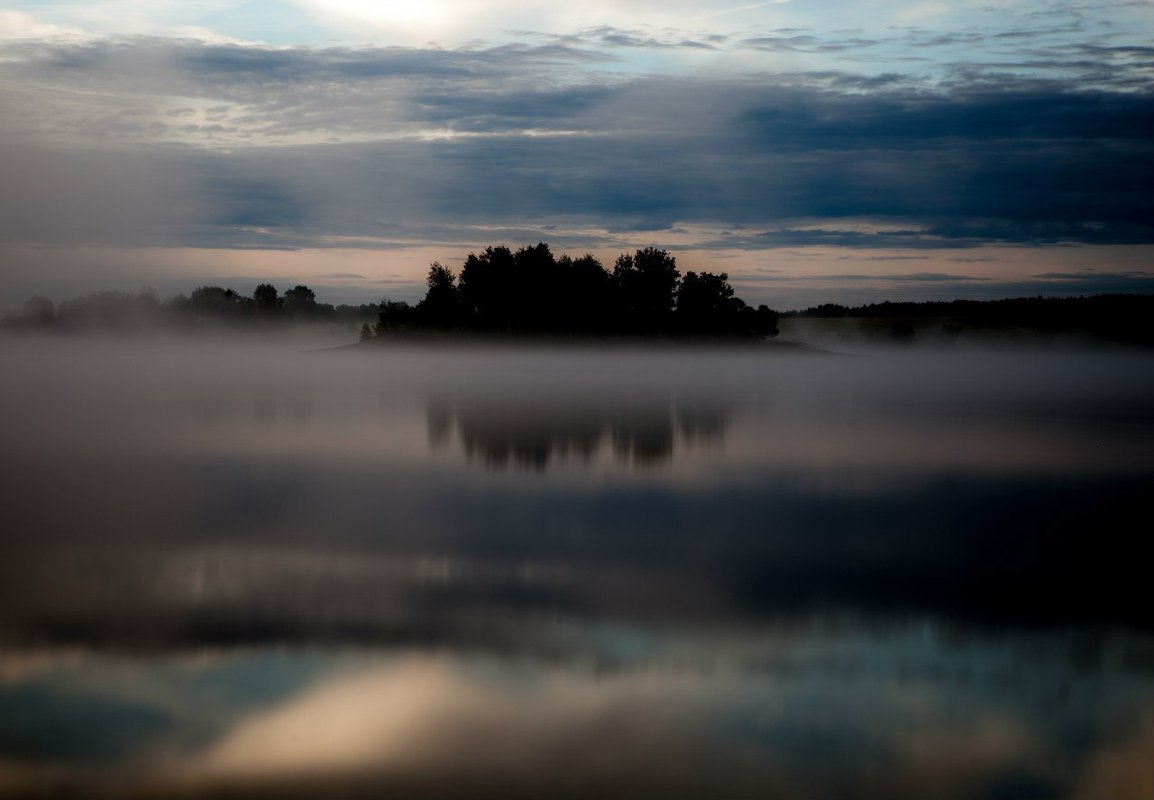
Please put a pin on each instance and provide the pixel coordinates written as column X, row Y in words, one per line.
column 815, row 151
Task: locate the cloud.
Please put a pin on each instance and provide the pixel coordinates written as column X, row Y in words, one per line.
column 17, row 25
column 1093, row 275
column 1121, row 770
column 1095, row 282
column 609, row 37
column 807, row 43
column 908, row 277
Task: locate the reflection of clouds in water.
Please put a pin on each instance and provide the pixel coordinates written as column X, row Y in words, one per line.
column 1123, row 768
column 905, row 712
column 222, row 596
column 871, row 737
column 373, row 720
column 431, row 714
column 391, row 557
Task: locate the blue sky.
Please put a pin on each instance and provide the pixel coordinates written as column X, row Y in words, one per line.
column 816, row 152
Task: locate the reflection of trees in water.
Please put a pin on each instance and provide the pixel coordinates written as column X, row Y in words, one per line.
column 532, row 434
column 701, row 424
column 643, row 441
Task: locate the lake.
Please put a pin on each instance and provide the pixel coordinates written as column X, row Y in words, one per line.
column 255, row 568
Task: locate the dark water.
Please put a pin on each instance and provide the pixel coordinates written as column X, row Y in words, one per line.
column 245, row 570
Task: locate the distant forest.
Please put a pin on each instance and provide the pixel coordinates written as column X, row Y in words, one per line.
column 1116, row 317
column 205, row 306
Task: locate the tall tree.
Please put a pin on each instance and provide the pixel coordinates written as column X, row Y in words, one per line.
column 646, row 284
column 441, row 307
column 265, row 296
column 486, row 284
column 584, row 298
column 705, row 303
column 534, row 289
column 299, row 300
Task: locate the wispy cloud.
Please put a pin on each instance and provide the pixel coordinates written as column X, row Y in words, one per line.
column 1093, row 276
column 907, row 277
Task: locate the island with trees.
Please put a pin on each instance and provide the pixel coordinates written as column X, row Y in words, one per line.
column 529, row 292
column 505, row 294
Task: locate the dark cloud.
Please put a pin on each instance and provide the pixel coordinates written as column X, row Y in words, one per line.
column 908, row 277
column 1113, row 50
column 1049, row 286
column 919, row 38
column 252, row 202
column 781, row 42
column 832, row 237
column 844, row 80
column 1022, row 111
column 512, row 110
column 691, row 43
column 1076, row 27
column 888, row 258
column 296, row 64
column 807, row 43
column 609, row 37
column 1095, row 277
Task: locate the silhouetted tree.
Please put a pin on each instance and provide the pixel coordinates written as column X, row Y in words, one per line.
column 705, row 304
column 266, row 298
column 393, row 316
column 534, row 288
column 442, row 306
column 646, row 284
column 486, row 286
column 353, row 315
column 300, row 304
column 584, row 296
column 765, row 321
column 37, row 311
column 299, row 299
column 826, row 311
column 214, row 301
column 210, row 296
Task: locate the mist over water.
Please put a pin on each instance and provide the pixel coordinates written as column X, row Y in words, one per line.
column 248, row 568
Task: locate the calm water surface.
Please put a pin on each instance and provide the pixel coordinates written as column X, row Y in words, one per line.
column 247, row 570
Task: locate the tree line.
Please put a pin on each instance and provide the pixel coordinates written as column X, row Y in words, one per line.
column 1114, row 317
column 205, row 305
column 530, row 291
